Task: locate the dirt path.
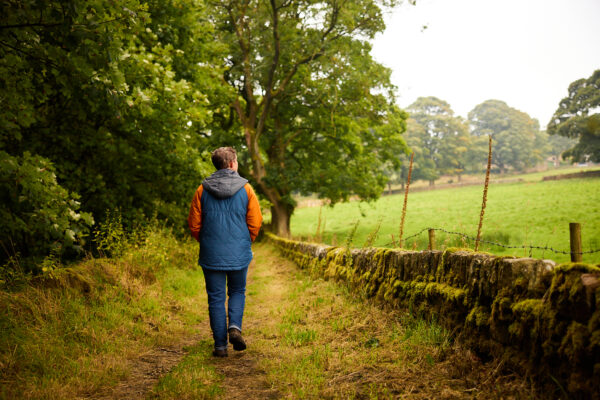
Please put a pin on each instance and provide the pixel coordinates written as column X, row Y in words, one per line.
column 243, row 376
column 310, row 338
column 147, row 370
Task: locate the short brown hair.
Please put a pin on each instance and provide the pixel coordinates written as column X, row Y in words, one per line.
column 222, row 156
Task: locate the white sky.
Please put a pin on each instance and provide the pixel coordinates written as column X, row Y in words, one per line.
column 524, row 52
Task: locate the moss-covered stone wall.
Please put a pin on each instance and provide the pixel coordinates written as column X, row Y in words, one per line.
column 541, row 318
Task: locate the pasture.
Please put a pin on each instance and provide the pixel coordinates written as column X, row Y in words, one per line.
column 527, row 213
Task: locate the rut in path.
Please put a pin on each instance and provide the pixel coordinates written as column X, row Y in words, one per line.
column 146, row 371
column 243, row 377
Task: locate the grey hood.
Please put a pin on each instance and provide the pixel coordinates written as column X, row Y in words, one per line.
column 224, row 183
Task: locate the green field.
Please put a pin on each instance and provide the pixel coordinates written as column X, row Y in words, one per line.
column 528, row 213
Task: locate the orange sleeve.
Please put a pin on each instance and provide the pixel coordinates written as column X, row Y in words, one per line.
column 195, row 215
column 253, row 216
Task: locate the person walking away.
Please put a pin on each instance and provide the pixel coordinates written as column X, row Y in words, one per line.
column 225, row 218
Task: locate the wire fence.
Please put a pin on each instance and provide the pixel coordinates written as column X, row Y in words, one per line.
column 473, row 239
column 575, row 251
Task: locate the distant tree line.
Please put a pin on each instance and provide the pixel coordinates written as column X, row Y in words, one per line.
column 447, row 144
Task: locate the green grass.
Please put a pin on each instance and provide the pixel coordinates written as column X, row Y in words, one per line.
column 193, row 378
column 333, row 343
column 528, row 213
column 74, row 332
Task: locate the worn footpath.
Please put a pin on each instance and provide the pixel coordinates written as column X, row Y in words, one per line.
column 310, row 338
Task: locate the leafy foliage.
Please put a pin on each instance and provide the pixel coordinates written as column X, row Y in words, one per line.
column 110, row 235
column 38, row 217
column 314, row 109
column 114, row 95
column 440, row 140
column 105, row 92
column 558, row 145
column 517, row 139
column 423, row 164
column 578, row 117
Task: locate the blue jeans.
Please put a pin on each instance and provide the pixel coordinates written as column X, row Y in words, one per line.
column 236, row 291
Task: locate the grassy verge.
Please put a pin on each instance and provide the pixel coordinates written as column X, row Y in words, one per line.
column 336, row 346
column 518, row 214
column 76, row 331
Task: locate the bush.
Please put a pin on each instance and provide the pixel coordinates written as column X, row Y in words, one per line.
column 110, row 236
column 38, row 217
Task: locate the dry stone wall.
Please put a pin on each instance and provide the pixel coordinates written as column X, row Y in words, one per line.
column 540, row 318
column 583, row 174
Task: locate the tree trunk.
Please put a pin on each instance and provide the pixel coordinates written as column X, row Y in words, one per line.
column 431, row 183
column 280, row 218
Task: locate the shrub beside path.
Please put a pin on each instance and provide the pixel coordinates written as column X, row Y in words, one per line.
column 310, row 338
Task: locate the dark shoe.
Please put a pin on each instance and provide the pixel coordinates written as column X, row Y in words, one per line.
column 220, row 353
column 236, row 339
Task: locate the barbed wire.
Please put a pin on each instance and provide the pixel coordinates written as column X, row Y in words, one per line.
column 465, row 236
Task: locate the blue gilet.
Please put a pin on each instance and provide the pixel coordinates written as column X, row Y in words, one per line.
column 225, row 243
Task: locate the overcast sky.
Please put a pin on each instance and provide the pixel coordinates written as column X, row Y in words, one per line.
column 524, row 52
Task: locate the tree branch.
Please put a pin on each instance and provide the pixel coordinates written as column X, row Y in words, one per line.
column 28, row 25
column 266, row 102
column 293, row 136
column 238, row 24
column 238, row 108
column 44, row 60
column 102, row 22
column 312, row 57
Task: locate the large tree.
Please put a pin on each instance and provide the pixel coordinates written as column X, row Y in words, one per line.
column 315, row 111
column 440, row 139
column 515, row 134
column 423, row 164
column 578, row 117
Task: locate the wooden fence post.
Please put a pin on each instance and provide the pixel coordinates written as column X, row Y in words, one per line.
column 575, row 233
column 485, row 190
column 431, row 239
column 400, row 241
